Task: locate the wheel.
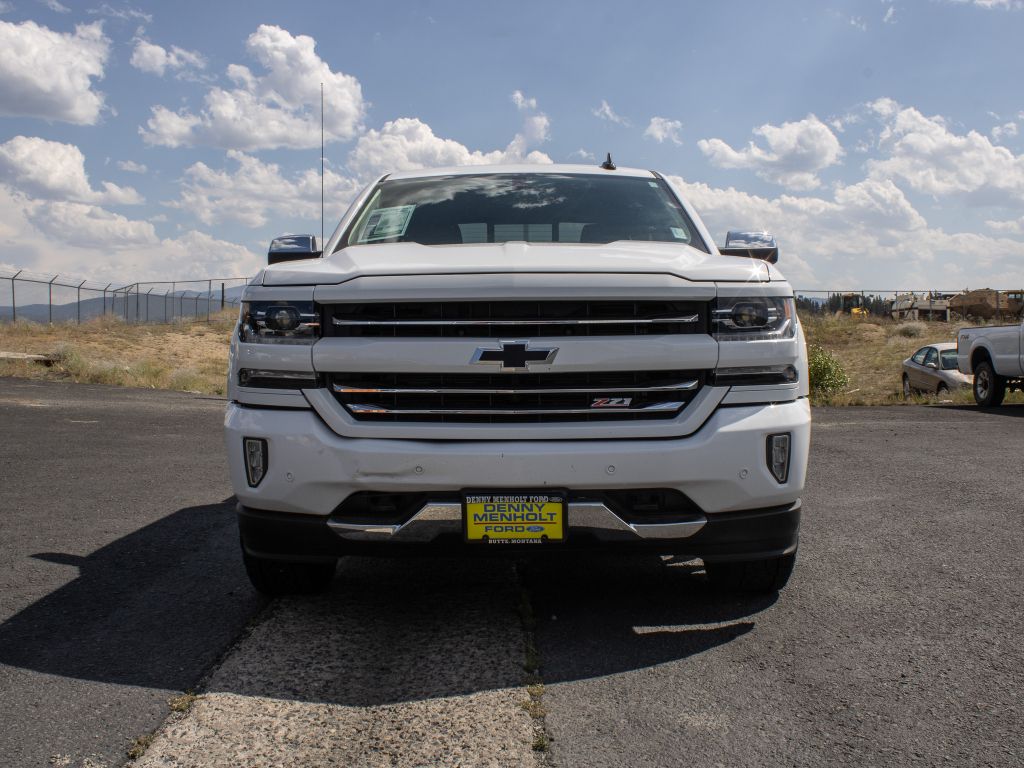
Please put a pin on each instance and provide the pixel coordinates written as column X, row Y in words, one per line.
column 906, row 387
column 989, row 386
column 283, row 577
column 754, row 576
column 941, row 390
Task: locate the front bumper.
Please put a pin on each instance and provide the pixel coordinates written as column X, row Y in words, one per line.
column 748, row 535
column 721, row 469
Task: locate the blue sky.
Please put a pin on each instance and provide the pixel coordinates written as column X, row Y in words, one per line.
column 881, row 141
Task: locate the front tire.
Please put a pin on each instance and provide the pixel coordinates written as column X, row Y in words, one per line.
column 906, row 387
column 942, row 390
column 759, row 577
column 989, row 386
column 284, row 577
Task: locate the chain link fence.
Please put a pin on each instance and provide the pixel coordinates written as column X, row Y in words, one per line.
column 39, row 298
column 60, row 299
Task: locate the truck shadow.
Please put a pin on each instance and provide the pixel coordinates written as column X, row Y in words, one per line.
column 392, row 631
column 154, row 608
column 158, row 607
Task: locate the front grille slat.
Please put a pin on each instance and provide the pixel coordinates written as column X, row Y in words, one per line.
column 343, row 322
column 359, row 410
column 343, row 389
column 494, row 319
column 516, row 398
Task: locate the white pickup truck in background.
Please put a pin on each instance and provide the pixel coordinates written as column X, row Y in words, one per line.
column 995, row 355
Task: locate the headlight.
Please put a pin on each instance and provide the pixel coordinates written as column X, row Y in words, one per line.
column 279, row 322
column 753, row 318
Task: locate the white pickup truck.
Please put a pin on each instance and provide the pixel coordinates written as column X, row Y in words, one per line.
column 995, row 355
column 517, row 359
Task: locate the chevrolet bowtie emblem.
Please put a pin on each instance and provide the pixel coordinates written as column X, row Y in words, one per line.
column 514, row 355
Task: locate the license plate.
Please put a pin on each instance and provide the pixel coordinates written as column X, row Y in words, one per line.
column 514, row 517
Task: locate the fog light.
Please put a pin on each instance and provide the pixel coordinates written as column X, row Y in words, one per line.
column 255, row 450
column 778, row 456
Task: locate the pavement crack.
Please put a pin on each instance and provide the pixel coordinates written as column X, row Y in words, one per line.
column 533, row 678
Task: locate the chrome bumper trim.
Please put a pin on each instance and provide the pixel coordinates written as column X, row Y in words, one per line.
column 436, row 519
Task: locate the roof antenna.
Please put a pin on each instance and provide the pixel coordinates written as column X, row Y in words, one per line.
column 608, row 165
column 321, row 166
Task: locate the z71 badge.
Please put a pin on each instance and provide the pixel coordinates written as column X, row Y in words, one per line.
column 611, row 402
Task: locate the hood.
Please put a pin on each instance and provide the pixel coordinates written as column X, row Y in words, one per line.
column 517, row 257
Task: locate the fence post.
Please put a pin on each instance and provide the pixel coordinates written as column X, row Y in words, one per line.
column 209, row 298
column 222, row 297
column 105, row 300
column 147, row 303
column 172, row 299
column 50, row 302
column 79, row 302
column 14, row 303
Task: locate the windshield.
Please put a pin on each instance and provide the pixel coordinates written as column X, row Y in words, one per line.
column 532, row 207
column 948, row 357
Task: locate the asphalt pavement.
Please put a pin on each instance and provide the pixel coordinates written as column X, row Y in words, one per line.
column 898, row 640
column 120, row 581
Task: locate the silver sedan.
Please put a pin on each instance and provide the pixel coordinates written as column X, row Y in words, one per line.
column 933, row 369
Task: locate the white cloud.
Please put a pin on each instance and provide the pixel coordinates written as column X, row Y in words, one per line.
column 6, row 7
column 49, row 74
column 254, row 190
column 922, row 152
column 522, row 101
column 86, row 240
column 605, row 112
column 279, row 108
column 661, row 129
column 55, row 171
column 124, row 13
column 131, row 166
column 582, row 154
column 1012, row 227
column 890, row 15
column 1006, row 130
column 156, row 60
column 1005, row 5
column 867, row 235
column 795, row 153
column 408, row 143
column 88, row 226
column 55, row 6
column 858, row 23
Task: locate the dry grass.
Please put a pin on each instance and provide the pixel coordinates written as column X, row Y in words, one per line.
column 872, row 351
column 190, row 356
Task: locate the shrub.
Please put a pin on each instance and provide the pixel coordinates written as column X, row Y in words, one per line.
column 910, row 330
column 825, row 372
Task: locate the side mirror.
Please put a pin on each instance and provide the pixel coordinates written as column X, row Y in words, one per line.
column 291, row 248
column 753, row 245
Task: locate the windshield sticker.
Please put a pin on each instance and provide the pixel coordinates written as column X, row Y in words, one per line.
column 388, row 222
column 652, row 184
column 678, row 233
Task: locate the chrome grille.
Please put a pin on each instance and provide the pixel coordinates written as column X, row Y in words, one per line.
column 509, row 319
column 516, row 398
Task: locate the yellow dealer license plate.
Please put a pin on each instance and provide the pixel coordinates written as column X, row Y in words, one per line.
column 514, row 517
